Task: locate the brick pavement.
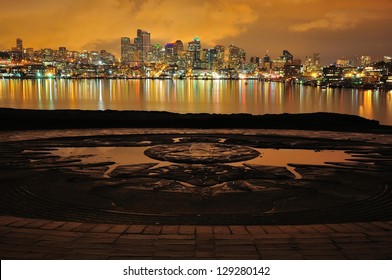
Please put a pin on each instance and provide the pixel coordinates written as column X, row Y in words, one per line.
column 23, row 238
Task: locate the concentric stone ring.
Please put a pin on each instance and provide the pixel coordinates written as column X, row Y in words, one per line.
column 201, row 153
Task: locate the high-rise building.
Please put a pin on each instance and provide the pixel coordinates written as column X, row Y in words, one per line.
column 220, row 56
column 107, row 58
column 236, row 56
column 19, row 44
column 287, row 56
column 267, row 62
column 179, row 46
column 143, row 43
column 211, row 59
column 255, row 60
column 266, row 58
column 170, row 52
column 129, row 52
column 194, row 48
column 125, row 49
column 158, row 52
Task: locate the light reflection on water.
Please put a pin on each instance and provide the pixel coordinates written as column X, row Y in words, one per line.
column 192, row 96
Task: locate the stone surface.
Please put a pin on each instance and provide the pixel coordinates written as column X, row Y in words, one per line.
column 200, row 242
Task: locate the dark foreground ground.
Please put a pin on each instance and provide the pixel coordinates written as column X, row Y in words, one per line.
column 41, row 119
column 185, row 198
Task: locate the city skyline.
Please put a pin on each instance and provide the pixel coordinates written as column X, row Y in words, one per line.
column 334, row 29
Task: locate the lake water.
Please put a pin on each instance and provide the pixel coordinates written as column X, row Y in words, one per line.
column 193, row 96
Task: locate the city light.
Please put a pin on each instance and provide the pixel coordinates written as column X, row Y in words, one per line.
column 141, row 59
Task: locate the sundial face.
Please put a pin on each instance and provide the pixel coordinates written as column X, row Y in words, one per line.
column 193, row 178
column 203, row 153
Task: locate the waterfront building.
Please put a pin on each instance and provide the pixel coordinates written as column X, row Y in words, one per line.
column 293, row 68
column 236, row 57
column 277, row 66
column 220, row 56
column 125, row 49
column 170, row 53
column 62, row 54
column 287, row 56
column 194, row 48
column 366, row 60
column 143, row 43
column 211, row 59
column 158, row 53
column 107, row 58
column 332, row 74
column 266, row 63
column 255, row 60
column 5, row 58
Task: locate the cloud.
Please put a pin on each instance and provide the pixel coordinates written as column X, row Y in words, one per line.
column 80, row 23
column 210, row 20
column 251, row 24
column 342, row 19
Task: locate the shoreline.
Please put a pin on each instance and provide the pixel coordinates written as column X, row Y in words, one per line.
column 29, row 119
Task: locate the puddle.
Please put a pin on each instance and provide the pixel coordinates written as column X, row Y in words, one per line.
column 268, row 157
column 119, row 155
column 282, row 157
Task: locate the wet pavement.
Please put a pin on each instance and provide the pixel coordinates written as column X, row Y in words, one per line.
column 194, row 194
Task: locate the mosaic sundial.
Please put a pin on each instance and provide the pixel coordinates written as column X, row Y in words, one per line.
column 201, row 179
column 204, row 153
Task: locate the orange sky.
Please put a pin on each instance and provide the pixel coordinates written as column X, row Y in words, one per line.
column 334, row 28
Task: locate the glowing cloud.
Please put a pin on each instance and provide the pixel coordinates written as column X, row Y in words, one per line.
column 343, row 15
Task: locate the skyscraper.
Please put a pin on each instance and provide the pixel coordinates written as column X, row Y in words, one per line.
column 220, row 55
column 19, row 44
column 236, row 56
column 179, row 46
column 125, row 49
column 194, row 48
column 287, row 56
column 170, row 52
column 143, row 43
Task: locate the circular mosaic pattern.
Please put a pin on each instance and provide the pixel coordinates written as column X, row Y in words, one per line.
column 193, row 182
column 203, row 153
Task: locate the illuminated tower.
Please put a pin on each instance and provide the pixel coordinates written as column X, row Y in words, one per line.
column 220, row 56
column 125, row 49
column 236, row 56
column 170, row 52
column 143, row 43
column 194, row 48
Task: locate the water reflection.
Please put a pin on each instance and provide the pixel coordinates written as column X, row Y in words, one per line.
column 135, row 155
column 192, row 96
